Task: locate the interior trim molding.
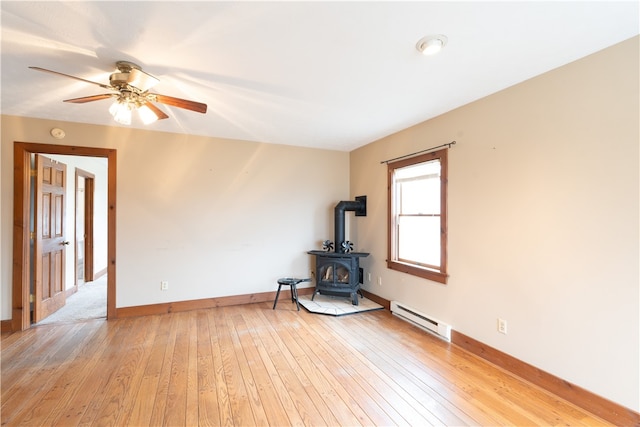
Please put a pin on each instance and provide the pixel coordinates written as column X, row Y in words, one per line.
column 198, row 304
column 5, row 326
column 597, row 405
column 379, row 300
column 100, row 273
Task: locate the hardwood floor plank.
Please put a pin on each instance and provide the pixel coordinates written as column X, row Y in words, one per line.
column 241, row 408
column 252, row 365
column 124, row 370
column 222, row 391
column 337, row 357
column 20, row 404
column 82, row 366
column 176, row 406
column 460, row 361
column 16, row 367
column 192, row 416
column 62, row 389
column 95, row 379
column 164, row 374
column 242, row 363
column 14, row 345
column 289, row 351
column 207, row 404
column 145, row 395
column 344, row 408
column 110, row 386
column 133, row 376
column 423, row 362
column 398, row 403
column 283, row 362
column 269, row 400
column 386, row 353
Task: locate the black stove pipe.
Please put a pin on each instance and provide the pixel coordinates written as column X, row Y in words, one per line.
column 359, row 206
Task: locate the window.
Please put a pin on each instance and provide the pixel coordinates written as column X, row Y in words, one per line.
column 417, row 242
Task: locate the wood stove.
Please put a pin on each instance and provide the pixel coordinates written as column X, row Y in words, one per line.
column 339, row 272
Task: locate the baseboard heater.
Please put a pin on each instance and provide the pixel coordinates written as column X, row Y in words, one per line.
column 421, row 320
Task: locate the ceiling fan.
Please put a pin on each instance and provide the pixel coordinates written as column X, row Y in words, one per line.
column 130, row 89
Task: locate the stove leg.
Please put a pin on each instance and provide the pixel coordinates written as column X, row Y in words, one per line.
column 354, row 298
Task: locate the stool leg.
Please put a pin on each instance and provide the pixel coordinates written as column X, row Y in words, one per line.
column 294, row 289
column 277, row 295
column 293, row 297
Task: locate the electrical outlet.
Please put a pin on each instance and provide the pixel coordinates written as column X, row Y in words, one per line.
column 379, row 280
column 164, row 285
column 369, row 277
column 502, row 326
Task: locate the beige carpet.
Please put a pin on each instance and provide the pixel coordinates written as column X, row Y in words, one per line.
column 90, row 302
column 336, row 305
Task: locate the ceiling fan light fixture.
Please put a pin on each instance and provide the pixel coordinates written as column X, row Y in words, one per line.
column 130, row 88
column 431, row 45
column 146, row 115
column 121, row 112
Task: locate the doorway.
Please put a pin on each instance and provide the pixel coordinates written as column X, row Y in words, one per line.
column 85, row 184
column 21, row 231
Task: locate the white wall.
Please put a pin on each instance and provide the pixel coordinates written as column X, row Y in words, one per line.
column 213, row 217
column 543, row 221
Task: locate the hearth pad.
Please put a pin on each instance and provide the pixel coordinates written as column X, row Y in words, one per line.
column 336, row 305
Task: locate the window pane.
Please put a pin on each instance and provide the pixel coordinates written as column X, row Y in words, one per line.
column 421, row 169
column 420, row 196
column 419, row 239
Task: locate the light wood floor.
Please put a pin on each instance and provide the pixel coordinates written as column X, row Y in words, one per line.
column 251, row 365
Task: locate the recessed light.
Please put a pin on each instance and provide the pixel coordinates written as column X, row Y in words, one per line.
column 430, row 45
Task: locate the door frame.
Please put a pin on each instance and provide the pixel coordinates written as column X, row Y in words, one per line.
column 20, row 318
column 89, row 185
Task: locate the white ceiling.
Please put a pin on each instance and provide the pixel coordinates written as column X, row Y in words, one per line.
column 333, row 75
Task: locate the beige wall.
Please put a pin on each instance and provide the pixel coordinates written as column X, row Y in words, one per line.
column 213, row 217
column 543, row 221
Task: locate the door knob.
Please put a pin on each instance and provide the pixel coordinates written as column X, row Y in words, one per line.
column 66, row 242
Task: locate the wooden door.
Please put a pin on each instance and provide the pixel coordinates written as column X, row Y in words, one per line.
column 50, row 241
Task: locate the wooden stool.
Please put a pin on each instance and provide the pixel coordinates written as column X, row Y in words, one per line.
column 293, row 282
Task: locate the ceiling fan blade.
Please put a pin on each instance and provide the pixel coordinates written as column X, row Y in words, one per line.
column 91, row 98
column 141, row 80
column 181, row 103
column 72, row 77
column 158, row 112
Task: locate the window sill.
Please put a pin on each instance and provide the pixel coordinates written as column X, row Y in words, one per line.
column 436, row 276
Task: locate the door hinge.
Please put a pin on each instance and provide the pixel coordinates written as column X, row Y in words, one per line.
column 34, row 172
column 32, row 235
column 32, row 298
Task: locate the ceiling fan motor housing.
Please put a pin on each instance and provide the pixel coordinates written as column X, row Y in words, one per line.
column 122, row 78
column 119, row 79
